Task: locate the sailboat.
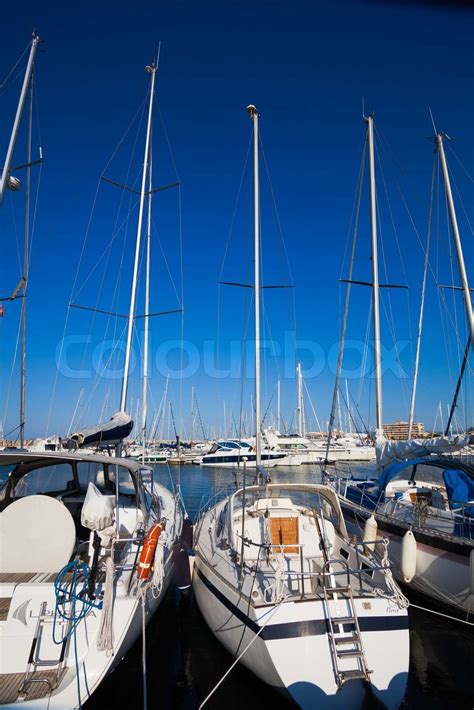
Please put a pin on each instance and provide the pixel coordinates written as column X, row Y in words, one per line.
column 86, row 553
column 422, row 500
column 285, row 590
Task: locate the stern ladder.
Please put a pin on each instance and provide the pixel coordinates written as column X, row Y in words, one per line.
column 345, row 643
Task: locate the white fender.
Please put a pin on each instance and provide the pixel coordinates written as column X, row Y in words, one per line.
column 471, row 569
column 370, row 532
column 408, row 557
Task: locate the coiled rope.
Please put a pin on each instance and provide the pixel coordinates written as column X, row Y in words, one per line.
column 395, row 595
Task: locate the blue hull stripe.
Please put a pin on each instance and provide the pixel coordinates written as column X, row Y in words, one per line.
column 298, row 629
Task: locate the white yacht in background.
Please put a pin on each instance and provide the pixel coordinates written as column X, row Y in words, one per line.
column 347, row 448
column 150, row 455
column 233, row 453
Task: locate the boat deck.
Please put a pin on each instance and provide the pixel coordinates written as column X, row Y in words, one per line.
column 40, row 685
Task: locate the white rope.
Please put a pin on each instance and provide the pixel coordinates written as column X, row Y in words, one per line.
column 446, row 616
column 156, row 584
column 395, row 595
column 278, row 585
column 145, row 693
column 272, row 613
column 105, row 637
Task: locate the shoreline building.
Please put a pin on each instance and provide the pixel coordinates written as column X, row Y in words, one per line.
column 399, row 430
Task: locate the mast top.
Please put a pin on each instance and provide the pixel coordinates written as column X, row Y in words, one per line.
column 252, row 110
column 440, row 136
column 150, row 68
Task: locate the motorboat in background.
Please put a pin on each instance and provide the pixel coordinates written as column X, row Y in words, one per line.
column 234, row 453
column 347, row 448
column 147, row 454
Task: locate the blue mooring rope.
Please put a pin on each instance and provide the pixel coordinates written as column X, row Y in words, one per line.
column 66, row 592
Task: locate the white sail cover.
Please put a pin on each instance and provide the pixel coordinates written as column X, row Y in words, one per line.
column 390, row 451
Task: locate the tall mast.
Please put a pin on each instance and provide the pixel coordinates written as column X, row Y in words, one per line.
column 339, row 418
column 411, row 417
column 278, row 406
column 457, row 239
column 192, row 413
column 375, row 281
column 349, row 413
column 147, row 308
column 123, row 399
column 4, row 177
column 252, row 111
column 300, row 398
column 26, row 239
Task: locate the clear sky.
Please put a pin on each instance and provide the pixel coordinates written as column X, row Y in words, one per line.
column 306, row 65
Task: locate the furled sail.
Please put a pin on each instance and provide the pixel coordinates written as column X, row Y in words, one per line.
column 112, row 432
column 389, row 451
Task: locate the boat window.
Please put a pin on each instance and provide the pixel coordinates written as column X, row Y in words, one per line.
column 48, row 479
column 429, row 474
column 403, row 475
column 329, row 512
column 5, row 471
column 221, row 521
column 126, row 486
column 91, row 471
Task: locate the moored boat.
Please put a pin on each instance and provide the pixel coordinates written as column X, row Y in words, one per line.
column 84, row 563
column 309, row 612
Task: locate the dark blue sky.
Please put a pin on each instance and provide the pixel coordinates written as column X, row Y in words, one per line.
column 306, row 66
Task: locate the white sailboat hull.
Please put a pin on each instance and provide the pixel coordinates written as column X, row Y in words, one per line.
column 292, row 653
column 93, row 665
column 442, row 568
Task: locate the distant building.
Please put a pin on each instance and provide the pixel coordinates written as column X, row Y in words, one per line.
column 399, row 430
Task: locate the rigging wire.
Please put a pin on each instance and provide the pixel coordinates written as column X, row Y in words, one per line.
column 355, row 218
column 81, row 256
column 389, row 311
column 397, row 241
column 453, row 294
column 3, row 84
column 224, row 258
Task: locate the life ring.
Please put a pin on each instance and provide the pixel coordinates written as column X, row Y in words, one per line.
column 148, row 551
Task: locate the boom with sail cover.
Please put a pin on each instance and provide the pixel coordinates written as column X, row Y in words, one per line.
column 389, row 451
column 112, row 432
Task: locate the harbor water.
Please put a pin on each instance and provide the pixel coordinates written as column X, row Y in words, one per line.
column 185, row 661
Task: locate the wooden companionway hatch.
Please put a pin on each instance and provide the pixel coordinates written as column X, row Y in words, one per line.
column 284, row 532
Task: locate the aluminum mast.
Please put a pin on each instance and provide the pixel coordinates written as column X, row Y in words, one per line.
column 131, row 315
column 252, row 111
column 26, row 266
column 5, row 176
column 375, row 281
column 457, row 239
column 147, row 308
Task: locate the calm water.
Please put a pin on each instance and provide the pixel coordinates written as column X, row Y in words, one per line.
column 185, row 661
